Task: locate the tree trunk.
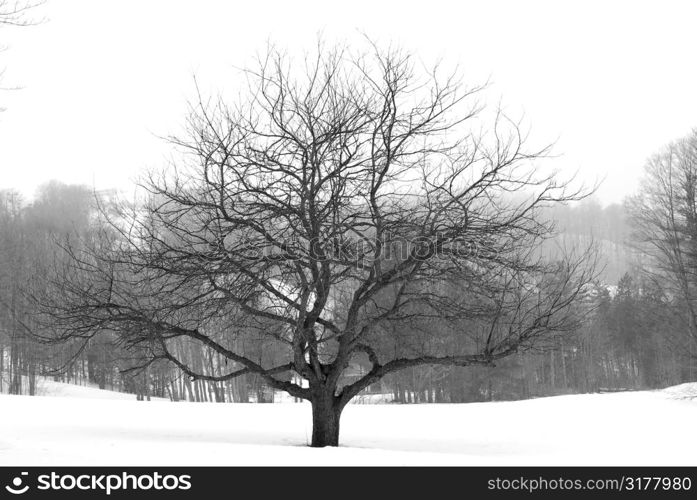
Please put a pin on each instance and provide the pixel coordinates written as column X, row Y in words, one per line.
column 325, row 421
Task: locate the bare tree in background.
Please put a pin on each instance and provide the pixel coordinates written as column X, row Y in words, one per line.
column 340, row 198
column 664, row 215
column 15, row 13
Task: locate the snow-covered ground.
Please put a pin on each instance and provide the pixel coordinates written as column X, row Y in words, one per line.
column 92, row 427
column 50, row 388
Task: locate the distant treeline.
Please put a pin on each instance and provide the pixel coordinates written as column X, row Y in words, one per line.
column 625, row 342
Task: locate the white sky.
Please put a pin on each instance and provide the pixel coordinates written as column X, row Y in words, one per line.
column 610, row 81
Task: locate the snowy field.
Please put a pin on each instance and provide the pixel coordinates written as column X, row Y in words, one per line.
column 72, row 425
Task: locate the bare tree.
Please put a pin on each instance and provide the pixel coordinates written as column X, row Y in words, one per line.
column 15, row 13
column 664, row 216
column 342, row 197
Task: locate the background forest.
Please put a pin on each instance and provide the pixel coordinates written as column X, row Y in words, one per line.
column 629, row 340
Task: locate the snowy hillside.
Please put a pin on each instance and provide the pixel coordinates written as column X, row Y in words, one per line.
column 47, row 387
column 93, row 427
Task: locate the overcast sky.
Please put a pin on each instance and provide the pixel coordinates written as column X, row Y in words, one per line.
column 609, row 81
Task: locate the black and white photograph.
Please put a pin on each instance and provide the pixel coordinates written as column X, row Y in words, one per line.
column 347, row 234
